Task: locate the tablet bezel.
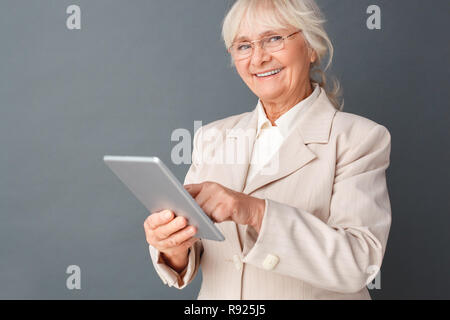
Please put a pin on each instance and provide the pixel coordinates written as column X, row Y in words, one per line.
column 205, row 228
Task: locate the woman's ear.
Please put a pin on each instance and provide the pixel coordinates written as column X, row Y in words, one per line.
column 312, row 55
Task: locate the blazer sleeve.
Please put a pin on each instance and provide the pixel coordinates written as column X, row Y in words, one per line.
column 338, row 254
column 166, row 273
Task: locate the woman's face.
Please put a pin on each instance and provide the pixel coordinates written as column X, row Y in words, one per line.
column 294, row 61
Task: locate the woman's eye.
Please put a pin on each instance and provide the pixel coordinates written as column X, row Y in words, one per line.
column 243, row 46
column 275, row 38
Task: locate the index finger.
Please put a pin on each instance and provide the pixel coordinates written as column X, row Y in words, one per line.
column 158, row 219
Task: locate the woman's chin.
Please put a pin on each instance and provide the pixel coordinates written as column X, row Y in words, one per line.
column 269, row 95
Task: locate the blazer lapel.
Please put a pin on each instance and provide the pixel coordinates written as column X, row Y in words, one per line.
column 292, row 155
column 238, row 147
column 313, row 127
column 239, row 144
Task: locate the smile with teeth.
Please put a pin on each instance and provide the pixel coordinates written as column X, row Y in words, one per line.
column 269, row 73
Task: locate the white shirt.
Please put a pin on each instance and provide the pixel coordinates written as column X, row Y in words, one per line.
column 269, row 138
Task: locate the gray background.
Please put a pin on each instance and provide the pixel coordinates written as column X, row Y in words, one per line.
column 136, row 71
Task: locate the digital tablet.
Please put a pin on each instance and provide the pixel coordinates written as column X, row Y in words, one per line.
column 158, row 189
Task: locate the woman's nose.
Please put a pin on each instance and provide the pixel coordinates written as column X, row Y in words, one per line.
column 259, row 55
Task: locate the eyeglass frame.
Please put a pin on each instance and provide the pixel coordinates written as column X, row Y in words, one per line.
column 259, row 40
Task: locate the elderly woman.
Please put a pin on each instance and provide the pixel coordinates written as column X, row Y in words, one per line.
column 305, row 209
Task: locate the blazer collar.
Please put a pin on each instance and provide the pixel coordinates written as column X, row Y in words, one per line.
column 313, row 127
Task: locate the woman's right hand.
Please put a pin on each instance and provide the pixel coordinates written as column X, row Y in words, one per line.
column 171, row 236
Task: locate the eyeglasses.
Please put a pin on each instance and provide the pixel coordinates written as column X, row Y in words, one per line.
column 244, row 49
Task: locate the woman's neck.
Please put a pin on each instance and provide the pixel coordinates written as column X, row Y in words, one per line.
column 276, row 108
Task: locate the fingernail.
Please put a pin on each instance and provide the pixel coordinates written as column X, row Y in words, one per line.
column 168, row 214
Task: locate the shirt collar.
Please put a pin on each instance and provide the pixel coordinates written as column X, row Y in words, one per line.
column 288, row 120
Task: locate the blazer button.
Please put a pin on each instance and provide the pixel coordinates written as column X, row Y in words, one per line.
column 270, row 262
column 237, row 262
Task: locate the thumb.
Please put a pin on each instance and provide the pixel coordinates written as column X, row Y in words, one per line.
column 193, row 188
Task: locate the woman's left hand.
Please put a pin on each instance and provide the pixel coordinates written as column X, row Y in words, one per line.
column 223, row 204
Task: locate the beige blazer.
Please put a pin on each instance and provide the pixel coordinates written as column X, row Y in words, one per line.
column 327, row 215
